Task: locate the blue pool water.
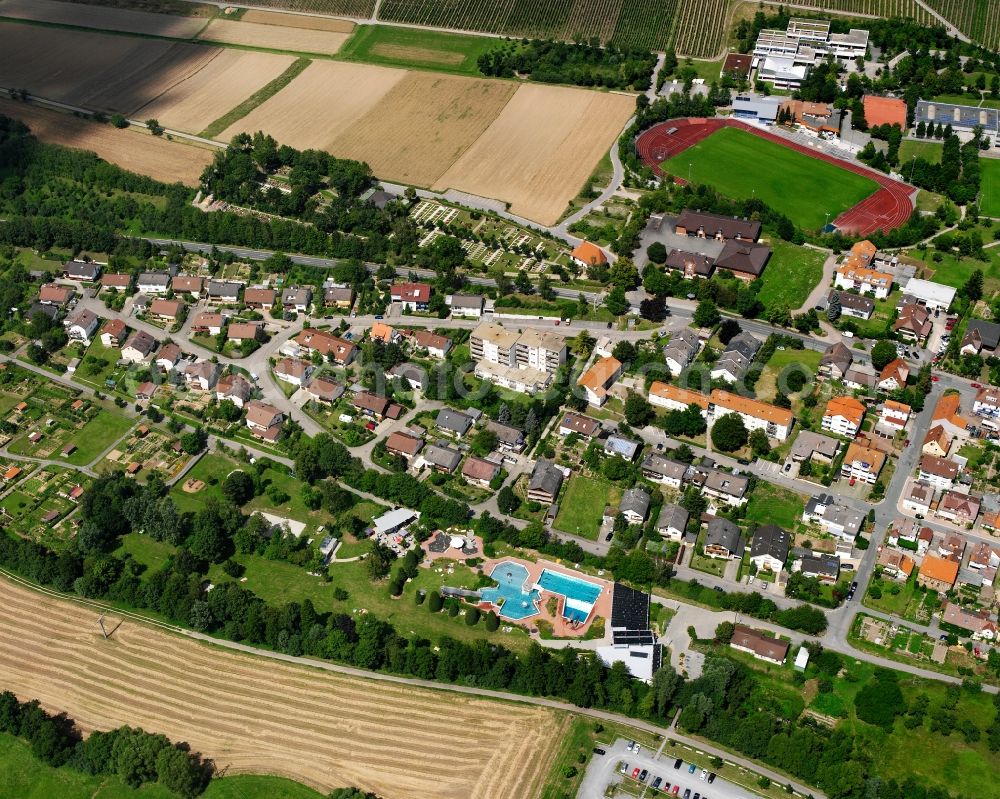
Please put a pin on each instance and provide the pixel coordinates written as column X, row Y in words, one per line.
column 580, row 594
column 517, row 603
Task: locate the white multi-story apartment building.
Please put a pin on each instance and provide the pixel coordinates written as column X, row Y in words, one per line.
column 843, row 416
column 523, row 363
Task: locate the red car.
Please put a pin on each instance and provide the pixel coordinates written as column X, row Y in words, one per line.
column 852, row 481
column 935, row 378
column 370, row 426
column 635, row 773
column 676, row 789
column 976, row 385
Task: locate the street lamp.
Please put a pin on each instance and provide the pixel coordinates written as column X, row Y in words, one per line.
column 689, row 171
column 825, row 226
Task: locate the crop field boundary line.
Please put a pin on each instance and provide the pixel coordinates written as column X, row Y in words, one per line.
column 259, row 97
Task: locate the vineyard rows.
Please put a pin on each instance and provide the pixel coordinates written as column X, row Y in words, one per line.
column 594, row 18
column 977, row 19
column 646, row 23
column 702, row 28
column 877, row 8
column 360, row 9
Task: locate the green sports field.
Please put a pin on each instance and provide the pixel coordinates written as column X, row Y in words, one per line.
column 989, row 202
column 741, row 165
column 413, row 48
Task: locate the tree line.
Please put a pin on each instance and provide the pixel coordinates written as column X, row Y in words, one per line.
column 135, row 756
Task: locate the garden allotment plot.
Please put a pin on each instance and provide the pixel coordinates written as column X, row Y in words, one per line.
column 741, row 165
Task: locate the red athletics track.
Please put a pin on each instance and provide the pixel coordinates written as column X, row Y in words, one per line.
column 886, row 209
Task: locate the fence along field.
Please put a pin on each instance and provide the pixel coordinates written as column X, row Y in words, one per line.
column 267, row 717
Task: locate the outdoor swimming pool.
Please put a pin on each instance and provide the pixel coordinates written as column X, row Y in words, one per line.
column 580, row 594
column 511, row 578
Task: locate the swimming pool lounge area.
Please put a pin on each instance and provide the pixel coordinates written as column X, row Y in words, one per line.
column 517, row 602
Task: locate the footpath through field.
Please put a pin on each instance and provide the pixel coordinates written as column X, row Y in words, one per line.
column 886, row 209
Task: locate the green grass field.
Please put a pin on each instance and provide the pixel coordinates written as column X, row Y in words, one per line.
column 23, row 776
column 767, row 383
column 582, row 507
column 989, row 201
column 928, row 150
column 771, row 504
column 412, row 48
column 741, row 165
column 791, row 273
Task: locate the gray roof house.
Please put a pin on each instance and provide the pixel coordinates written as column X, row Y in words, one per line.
column 664, row 470
column 672, row 522
column 835, row 361
column 814, row 445
column 409, row 373
column 545, row 481
column 769, row 548
column 509, row 438
column 745, row 344
column 453, row 421
column 723, row 539
column 635, row 505
column 681, row 349
column 824, row 567
column 81, row 270
column 619, row 445
column 443, row 459
column 731, row 366
column 223, row 291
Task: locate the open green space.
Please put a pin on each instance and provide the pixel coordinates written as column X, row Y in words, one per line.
column 97, row 435
column 771, row 504
column 150, row 553
column 778, row 365
column 741, row 165
column 212, row 470
column 928, row 150
column 415, row 48
column 989, row 182
column 954, row 270
column 582, row 506
column 791, row 273
column 25, row 777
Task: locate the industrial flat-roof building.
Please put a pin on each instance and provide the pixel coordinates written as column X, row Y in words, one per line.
column 962, row 118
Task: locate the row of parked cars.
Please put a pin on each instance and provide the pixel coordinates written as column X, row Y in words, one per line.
column 661, row 784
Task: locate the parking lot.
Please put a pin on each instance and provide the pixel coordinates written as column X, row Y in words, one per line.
column 604, row 769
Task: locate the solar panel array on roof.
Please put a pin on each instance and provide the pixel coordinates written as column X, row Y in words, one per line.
column 629, row 609
column 632, row 638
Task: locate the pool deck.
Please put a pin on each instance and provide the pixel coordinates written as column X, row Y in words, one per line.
column 450, row 554
column 560, row 627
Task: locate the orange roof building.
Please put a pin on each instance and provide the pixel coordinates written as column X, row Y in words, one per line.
column 587, row 254
column 598, row 378
column 946, row 413
column 843, row 415
column 775, row 421
column 673, row 397
column 383, row 332
column 12, row 472
column 884, row 111
column 938, row 574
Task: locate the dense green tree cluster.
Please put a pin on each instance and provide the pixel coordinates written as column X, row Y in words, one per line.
column 580, row 63
column 135, row 756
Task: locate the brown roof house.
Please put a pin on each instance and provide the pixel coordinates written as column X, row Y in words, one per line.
column 324, row 390
column 113, row 333
column 235, row 388
column 139, row 348
column 188, row 284
column 336, row 349
column 958, row 508
column 761, row 646
column 53, row 294
column 244, row 331
column 263, row 420
column 479, row 471
column 262, row 299
column 293, row 370
column 403, row 445
column 202, row 375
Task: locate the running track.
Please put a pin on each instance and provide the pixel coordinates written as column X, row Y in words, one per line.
column 886, row 209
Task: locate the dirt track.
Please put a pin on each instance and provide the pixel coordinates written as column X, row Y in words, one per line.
column 261, row 716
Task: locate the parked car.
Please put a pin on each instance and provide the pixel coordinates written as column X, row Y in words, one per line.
column 623, row 768
column 976, row 385
column 608, row 537
column 711, row 778
column 635, row 772
column 631, row 744
column 657, row 782
column 788, row 466
column 935, row 378
column 599, row 751
column 692, row 768
column 704, row 774
column 642, row 775
column 677, row 763
column 676, row 789
column 687, row 793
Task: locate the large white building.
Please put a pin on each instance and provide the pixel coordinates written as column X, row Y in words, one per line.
column 929, row 294
column 522, row 362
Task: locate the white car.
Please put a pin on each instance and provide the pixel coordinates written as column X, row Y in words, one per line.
column 704, row 774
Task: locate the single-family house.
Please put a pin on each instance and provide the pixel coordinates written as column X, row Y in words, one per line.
column 913, row 323
column 337, row 350
column 166, row 310
column 441, row 458
column 894, row 375
column 958, row 508
column 384, row 333
column 581, row 425
column 941, row 473
column 834, row 518
column 825, row 568
column 208, row 323
column 586, row 255
column 259, row 299
column 436, row 346
column 509, row 439
column 139, row 347
column 403, row 445
column 937, row 442
column 480, row 471
column 835, row 362
column 453, row 422
column 860, row 379
column 235, row 388
column 223, row 292
column 202, row 375
column 469, row 306
column 814, row 446
column 977, row 622
column 946, row 414
column 113, row 333
column 296, row 298
column 238, row 332
column 919, row 498
column 153, row 282
column 412, row 296
column 370, row 404
column 851, row 304
column 81, row 325
column 728, row 488
column 937, row 574
column 981, row 338
column 338, row 297
column 598, row 379
column 672, row 522
column 188, row 284
column 862, row 463
column 634, row 505
column 263, row 420
column 167, row 356
column 664, row 470
column 293, row 370
column 893, row 417
column 769, row 548
column 723, row 539
column 681, row 350
column 324, row 390
column 116, row 281
column 411, row 375
column 545, row 481
column 55, row 295
column 895, row 564
column 627, row 448
column 81, row 271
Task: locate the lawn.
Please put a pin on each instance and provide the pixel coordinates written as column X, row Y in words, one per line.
column 212, row 469
column 97, row 435
column 23, row 776
column 582, row 506
column 767, row 383
column 771, row 504
column 928, row 150
column 989, row 199
column 151, row 554
column 791, row 273
column 413, row 48
column 954, row 270
column 741, row 165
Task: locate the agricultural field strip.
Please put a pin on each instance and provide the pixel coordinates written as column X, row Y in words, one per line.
column 103, row 18
column 60, row 641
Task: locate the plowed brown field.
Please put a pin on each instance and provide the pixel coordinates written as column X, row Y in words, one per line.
column 258, row 715
column 423, row 125
column 159, row 158
column 95, row 70
column 226, row 81
column 102, row 18
column 298, row 21
column 541, row 149
column 275, row 37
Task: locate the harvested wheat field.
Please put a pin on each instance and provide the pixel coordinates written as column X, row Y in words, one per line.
column 169, row 161
column 541, row 149
column 225, row 81
column 320, row 104
column 275, row 37
column 423, row 125
column 264, row 716
column 95, row 70
column 103, row 18
column 298, row 21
